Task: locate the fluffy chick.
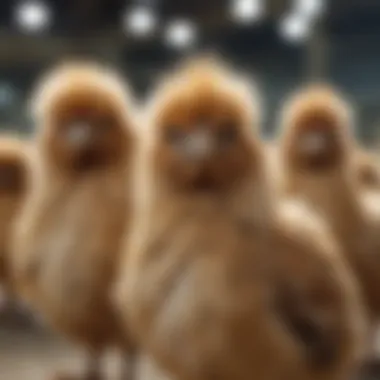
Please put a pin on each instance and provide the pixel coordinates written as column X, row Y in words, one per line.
column 325, row 175
column 67, row 242
column 219, row 282
column 368, row 170
column 320, row 105
column 329, row 177
column 14, row 172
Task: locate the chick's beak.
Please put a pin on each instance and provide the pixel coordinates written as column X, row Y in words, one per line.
column 312, row 143
column 199, row 145
column 78, row 134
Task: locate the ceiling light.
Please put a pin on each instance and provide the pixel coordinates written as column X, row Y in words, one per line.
column 247, row 11
column 140, row 21
column 181, row 34
column 32, row 15
column 295, row 28
column 309, row 8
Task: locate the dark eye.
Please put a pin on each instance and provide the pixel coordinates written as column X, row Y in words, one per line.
column 103, row 123
column 227, row 134
column 173, row 134
column 10, row 177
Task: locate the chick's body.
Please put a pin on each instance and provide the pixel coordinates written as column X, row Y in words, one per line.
column 209, row 305
column 14, row 173
column 369, row 170
column 68, row 239
column 75, row 245
column 219, row 282
column 347, row 202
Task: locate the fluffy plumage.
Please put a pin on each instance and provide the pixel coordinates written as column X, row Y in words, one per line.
column 219, row 281
column 14, row 177
column 68, row 239
column 334, row 190
column 369, row 170
column 339, row 193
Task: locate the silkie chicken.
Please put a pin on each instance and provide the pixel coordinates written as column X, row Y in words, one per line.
column 219, row 280
column 67, row 242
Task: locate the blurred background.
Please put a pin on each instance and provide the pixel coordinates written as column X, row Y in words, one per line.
column 283, row 42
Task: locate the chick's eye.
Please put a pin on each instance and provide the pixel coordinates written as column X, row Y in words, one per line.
column 104, row 123
column 173, row 134
column 10, row 176
column 227, row 134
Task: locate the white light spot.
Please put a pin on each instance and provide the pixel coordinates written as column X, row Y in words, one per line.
column 33, row 16
column 181, row 34
column 247, row 11
column 295, row 28
column 309, row 8
column 140, row 21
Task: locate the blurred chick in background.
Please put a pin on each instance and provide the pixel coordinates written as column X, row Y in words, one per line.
column 367, row 167
column 67, row 242
column 320, row 159
column 369, row 170
column 14, row 173
column 219, row 281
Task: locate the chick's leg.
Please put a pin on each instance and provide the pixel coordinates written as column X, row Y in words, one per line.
column 129, row 364
column 92, row 368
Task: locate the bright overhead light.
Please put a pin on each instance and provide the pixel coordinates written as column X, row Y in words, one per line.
column 33, row 15
column 295, row 28
column 309, row 8
column 140, row 21
column 247, row 11
column 181, row 34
